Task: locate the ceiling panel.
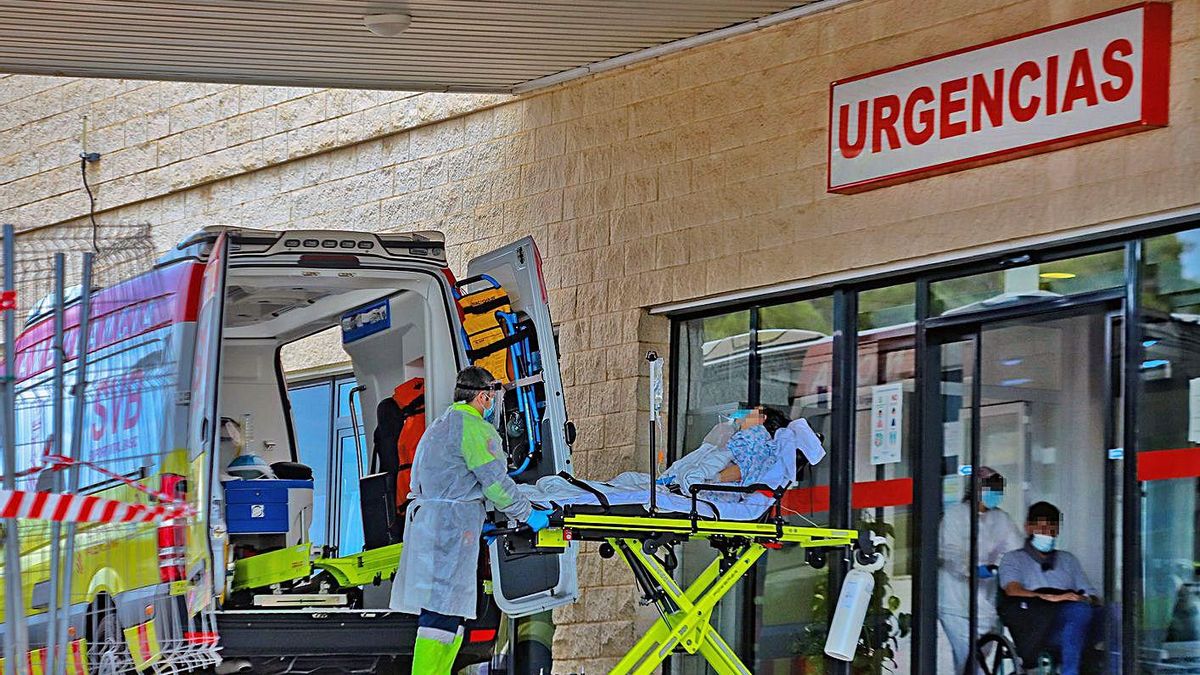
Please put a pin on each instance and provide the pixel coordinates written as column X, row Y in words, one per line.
column 450, row 45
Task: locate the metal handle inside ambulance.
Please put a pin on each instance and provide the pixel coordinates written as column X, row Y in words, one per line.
column 358, row 455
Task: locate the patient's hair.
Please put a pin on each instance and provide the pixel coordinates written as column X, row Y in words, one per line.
column 775, row 420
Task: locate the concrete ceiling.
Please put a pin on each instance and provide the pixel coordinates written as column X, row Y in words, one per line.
column 450, row 45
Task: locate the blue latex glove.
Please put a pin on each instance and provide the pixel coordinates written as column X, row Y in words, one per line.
column 985, row 572
column 665, row 480
column 539, row 519
column 488, row 527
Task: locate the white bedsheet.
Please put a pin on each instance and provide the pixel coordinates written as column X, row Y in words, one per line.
column 634, row 488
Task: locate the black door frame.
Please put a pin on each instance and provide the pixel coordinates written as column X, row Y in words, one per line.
column 1117, row 306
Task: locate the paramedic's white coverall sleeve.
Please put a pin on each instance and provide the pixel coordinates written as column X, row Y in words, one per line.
column 484, row 455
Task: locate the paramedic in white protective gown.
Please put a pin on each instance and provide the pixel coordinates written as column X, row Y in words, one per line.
column 998, row 534
column 459, row 465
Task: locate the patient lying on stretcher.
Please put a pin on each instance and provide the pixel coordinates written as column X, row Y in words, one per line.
column 758, row 449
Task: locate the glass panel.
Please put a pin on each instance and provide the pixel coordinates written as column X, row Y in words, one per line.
column 1168, row 406
column 795, row 350
column 957, row 368
column 1044, row 433
column 350, row 526
column 714, row 369
column 1029, row 283
column 312, row 424
column 882, row 493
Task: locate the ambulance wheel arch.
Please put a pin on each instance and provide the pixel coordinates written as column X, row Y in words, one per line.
column 105, row 637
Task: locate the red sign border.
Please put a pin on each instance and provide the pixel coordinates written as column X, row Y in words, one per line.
column 1156, row 68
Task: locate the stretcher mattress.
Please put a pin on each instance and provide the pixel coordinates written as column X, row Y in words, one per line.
column 633, row 488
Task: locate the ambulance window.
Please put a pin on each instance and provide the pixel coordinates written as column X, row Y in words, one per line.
column 325, row 442
column 312, row 425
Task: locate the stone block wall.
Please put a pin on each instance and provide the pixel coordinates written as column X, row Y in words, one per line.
column 691, row 175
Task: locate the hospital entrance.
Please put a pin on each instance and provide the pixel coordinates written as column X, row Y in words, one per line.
column 1027, row 404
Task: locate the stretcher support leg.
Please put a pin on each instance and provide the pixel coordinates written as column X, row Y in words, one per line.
column 690, row 627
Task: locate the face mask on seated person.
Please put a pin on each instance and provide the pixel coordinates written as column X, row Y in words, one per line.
column 1042, row 542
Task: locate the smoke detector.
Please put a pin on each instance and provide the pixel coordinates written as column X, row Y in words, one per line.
column 387, row 25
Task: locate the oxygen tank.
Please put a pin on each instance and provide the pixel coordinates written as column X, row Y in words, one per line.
column 851, row 609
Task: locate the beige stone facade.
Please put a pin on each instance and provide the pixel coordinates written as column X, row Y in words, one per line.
column 696, row 174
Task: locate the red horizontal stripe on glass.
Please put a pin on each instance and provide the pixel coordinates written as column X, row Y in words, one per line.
column 1168, row 464
column 874, row 494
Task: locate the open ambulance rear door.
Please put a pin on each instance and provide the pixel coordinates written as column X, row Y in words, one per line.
column 203, row 424
column 527, row 584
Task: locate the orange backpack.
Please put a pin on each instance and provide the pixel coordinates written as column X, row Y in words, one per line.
column 410, row 397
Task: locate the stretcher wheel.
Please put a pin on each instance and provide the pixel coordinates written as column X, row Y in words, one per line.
column 649, row 546
column 607, row 551
column 815, row 558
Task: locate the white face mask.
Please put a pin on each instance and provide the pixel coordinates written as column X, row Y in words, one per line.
column 1042, row 542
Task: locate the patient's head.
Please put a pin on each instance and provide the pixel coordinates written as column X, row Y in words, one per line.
column 773, row 420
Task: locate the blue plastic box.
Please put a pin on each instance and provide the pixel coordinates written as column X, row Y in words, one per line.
column 261, row 506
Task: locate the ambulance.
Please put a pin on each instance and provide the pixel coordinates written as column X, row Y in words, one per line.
column 185, row 395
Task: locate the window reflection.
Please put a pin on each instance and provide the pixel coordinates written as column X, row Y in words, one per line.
column 882, row 493
column 795, row 351
column 1029, row 283
column 1168, row 403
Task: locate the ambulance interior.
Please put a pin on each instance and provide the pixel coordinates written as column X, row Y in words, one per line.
column 395, row 327
column 402, row 330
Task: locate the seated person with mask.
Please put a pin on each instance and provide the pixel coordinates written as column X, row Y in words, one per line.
column 1047, row 600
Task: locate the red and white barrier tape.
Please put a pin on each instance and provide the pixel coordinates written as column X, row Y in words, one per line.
column 89, row 509
column 85, row 508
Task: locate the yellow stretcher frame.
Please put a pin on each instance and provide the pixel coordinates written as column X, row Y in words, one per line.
column 685, row 615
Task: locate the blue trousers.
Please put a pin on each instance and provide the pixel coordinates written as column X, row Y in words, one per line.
column 1077, row 627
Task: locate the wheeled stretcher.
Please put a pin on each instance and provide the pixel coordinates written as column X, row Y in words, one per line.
column 646, row 541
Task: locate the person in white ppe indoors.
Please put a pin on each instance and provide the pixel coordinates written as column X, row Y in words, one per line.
column 998, row 534
column 458, row 471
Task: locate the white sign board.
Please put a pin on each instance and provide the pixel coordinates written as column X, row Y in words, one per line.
column 887, row 422
column 1194, row 410
column 1081, row 81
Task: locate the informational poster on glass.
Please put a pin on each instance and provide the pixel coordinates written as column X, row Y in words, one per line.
column 887, row 416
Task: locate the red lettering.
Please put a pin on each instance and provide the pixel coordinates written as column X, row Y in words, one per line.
column 885, row 111
column 1052, row 85
column 100, row 410
column 1118, row 68
column 1028, row 70
column 851, row 150
column 1081, row 84
column 133, row 398
column 912, row 133
column 990, row 100
column 950, row 106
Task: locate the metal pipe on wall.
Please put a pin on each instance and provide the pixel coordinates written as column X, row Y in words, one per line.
column 16, row 643
column 56, row 447
column 78, row 393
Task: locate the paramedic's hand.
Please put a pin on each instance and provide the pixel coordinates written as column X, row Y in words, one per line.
column 539, row 519
column 488, row 527
column 665, row 480
column 985, row 572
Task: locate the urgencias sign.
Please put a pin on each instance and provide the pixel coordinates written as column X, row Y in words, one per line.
column 1076, row 82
